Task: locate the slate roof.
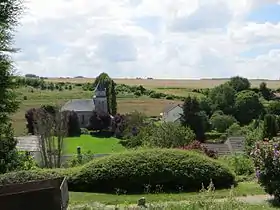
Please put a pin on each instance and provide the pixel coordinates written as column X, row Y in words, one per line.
column 28, row 143
column 170, row 107
column 84, row 105
column 100, row 87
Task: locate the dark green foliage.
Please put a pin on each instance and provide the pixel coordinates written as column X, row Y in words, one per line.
column 10, row 10
column 270, row 126
column 266, row 92
column 248, row 107
column 194, row 118
column 223, row 98
column 8, row 153
column 113, row 98
column 73, row 125
column 132, row 171
column 239, row 83
column 205, row 105
column 221, row 122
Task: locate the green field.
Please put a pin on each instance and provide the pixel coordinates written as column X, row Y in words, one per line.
column 96, row 145
column 34, row 98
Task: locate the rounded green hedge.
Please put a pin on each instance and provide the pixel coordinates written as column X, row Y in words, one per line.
column 136, row 171
column 167, row 169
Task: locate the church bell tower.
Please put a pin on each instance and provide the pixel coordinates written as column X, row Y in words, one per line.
column 100, row 98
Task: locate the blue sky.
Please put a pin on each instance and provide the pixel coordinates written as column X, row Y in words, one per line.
column 144, row 38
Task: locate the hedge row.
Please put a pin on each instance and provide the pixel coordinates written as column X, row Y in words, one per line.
column 136, row 171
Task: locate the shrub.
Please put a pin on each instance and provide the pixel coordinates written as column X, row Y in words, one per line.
column 267, row 162
column 132, row 171
column 34, row 175
column 270, row 126
column 170, row 135
column 221, row 122
column 240, row 164
column 197, row 146
column 213, row 135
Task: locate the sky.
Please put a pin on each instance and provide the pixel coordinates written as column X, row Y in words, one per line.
column 173, row 39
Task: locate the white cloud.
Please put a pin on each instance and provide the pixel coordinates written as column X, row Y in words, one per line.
column 158, row 38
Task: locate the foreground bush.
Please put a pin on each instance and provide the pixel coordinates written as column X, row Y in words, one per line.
column 267, row 161
column 167, row 169
column 34, row 175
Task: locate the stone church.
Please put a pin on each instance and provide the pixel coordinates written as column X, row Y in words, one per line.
column 85, row 107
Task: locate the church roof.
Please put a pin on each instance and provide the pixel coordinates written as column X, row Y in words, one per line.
column 100, row 86
column 84, row 105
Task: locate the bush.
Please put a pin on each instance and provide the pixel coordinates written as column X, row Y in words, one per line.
column 214, row 135
column 170, row 135
column 221, row 122
column 267, row 162
column 132, row 171
column 34, row 175
column 240, row 164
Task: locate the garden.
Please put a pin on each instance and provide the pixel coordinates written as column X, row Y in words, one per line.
column 155, row 165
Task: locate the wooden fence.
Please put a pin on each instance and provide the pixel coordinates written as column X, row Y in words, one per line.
column 49, row 194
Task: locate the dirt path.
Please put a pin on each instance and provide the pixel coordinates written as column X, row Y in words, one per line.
column 251, row 199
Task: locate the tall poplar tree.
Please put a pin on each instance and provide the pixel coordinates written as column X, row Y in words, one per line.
column 10, row 11
column 110, row 91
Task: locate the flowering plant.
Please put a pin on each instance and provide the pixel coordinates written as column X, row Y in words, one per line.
column 266, row 156
column 196, row 145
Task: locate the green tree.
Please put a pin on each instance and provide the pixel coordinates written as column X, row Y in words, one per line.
column 248, row 107
column 273, row 107
column 205, row 105
column 110, row 91
column 239, row 83
column 171, row 135
column 221, row 122
column 266, row 92
column 270, row 128
column 194, row 118
column 10, row 11
column 223, row 98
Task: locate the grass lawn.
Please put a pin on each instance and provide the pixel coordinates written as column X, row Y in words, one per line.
column 243, row 189
column 96, row 145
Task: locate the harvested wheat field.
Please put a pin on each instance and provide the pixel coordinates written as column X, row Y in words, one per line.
column 166, row 83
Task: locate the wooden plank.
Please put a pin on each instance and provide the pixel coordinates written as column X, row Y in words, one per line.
column 30, row 186
column 64, row 194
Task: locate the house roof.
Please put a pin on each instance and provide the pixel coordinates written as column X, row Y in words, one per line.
column 170, row 107
column 85, row 105
column 100, row 86
column 276, row 95
column 28, row 143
